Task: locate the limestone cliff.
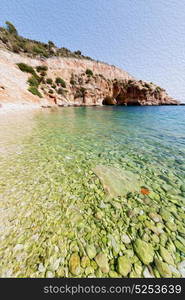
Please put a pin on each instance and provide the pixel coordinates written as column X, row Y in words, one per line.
column 87, row 82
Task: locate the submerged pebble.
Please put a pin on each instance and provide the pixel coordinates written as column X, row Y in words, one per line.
column 144, row 251
column 102, row 262
column 124, row 265
column 74, row 264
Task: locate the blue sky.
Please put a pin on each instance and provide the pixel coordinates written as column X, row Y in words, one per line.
column 144, row 37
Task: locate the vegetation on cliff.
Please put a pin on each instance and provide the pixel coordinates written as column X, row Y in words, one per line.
column 37, row 80
column 12, row 41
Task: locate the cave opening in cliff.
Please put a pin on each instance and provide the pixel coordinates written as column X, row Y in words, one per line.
column 133, row 103
column 122, row 100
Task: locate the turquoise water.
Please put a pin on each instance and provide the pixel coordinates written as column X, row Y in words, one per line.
column 50, row 196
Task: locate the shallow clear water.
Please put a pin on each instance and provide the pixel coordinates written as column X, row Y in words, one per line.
column 49, row 195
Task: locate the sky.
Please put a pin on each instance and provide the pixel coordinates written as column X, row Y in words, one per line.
column 144, row 37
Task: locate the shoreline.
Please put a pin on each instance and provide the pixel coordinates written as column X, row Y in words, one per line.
column 22, row 107
column 17, row 107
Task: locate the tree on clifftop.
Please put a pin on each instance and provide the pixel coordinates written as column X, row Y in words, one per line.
column 11, row 28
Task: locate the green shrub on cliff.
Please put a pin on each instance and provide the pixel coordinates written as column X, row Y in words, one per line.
column 78, row 52
column 41, row 68
column 40, row 50
column 26, row 68
column 89, row 72
column 34, row 91
column 51, row 44
column 43, row 73
column 42, row 79
column 33, row 81
column 80, row 92
column 60, row 91
column 158, row 89
column 60, row 81
column 147, row 85
column 72, row 81
column 49, row 81
column 15, row 47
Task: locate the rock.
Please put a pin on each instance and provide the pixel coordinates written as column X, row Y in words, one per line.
column 147, row 274
column 171, row 247
column 54, row 264
column 109, row 101
column 163, row 269
column 144, row 251
column 156, row 273
column 138, row 268
column 85, row 261
column 156, row 229
column 18, row 247
column 181, row 229
column 154, row 196
column 41, row 268
column 89, row 270
column 74, row 264
column 117, row 182
column 91, row 251
column 145, row 237
column 49, row 274
column 115, row 245
column 98, row 273
column 141, row 93
column 61, row 272
column 99, row 215
column 182, row 188
column 133, row 274
column 180, row 246
column 181, row 268
column 155, row 238
column 159, row 227
column 129, row 252
column 94, row 265
column 163, row 239
column 125, row 238
column 155, row 217
column 175, row 272
column 172, row 226
column 102, row 262
column 124, row 265
column 166, row 255
column 114, row 274
column 181, row 239
column 165, row 215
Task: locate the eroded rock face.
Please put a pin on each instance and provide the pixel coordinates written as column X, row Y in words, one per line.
column 98, row 90
column 106, row 85
column 138, row 92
